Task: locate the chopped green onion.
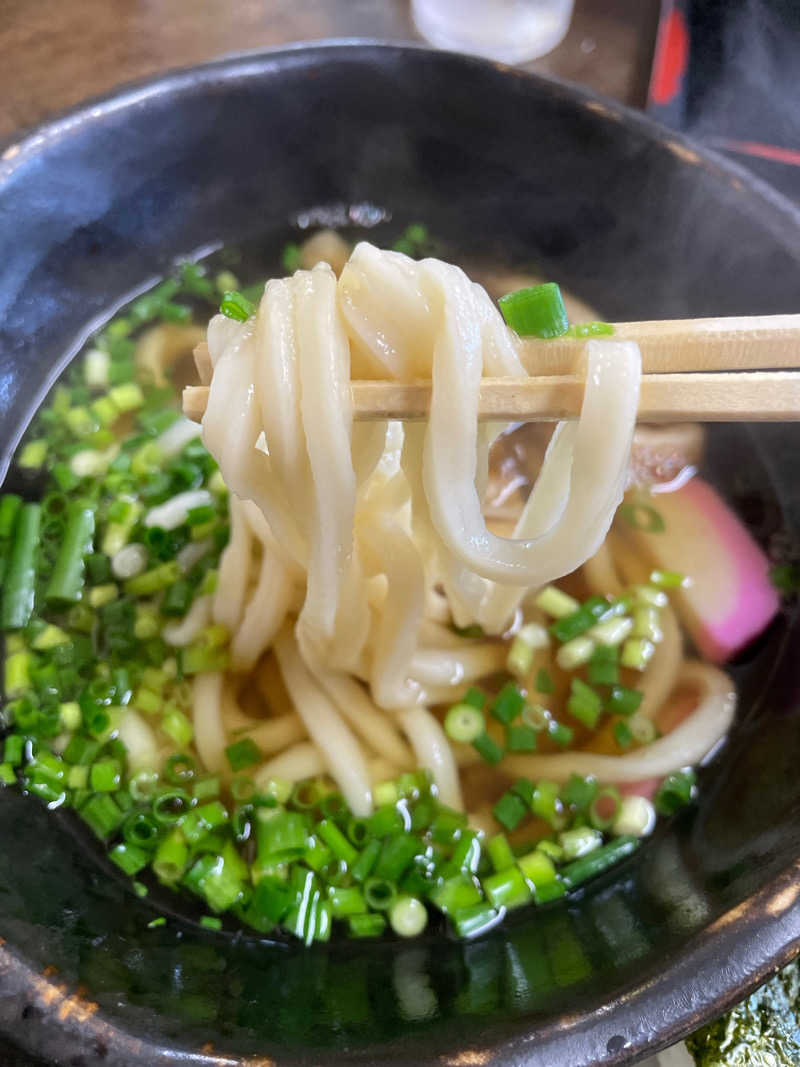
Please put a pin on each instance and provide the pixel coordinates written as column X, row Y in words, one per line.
column 243, row 754
column 129, row 858
column 622, row 734
column 579, row 792
column 575, row 653
column 102, row 814
column 675, row 792
column 33, row 456
column 466, row 855
column 78, row 777
column 219, row 879
column 346, row 901
column 601, row 859
column 510, row 810
column 367, row 925
column 291, row 257
column 524, row 788
column 147, row 701
column 8, row 776
column 81, row 750
column 140, row 829
column 560, row 733
column 386, row 820
column 362, row 866
column 336, row 841
column 591, row 329
column 96, row 366
column 623, row 701
column 19, row 580
column 396, row 855
column 456, row 893
column 16, row 674
column 668, row 579
column 507, row 889
column 224, row 281
column 636, row 817
column 499, row 852
column 554, row 602
column 408, row 916
column 584, row 704
column 153, row 581
column 538, row 868
column 579, row 841
column 177, row 726
column 641, row 516
column 10, row 506
column 605, row 807
column 181, row 768
column 612, row 632
column 488, row 748
column 169, row 805
column 100, row 595
column 647, row 624
column 236, row 306
column 531, row 637
column 202, row 820
column 464, row 723
column 537, row 311
column 603, row 666
column 508, row 703
column 13, row 749
column 637, row 653
column 49, row 637
column 544, row 681
column 171, row 857
column 642, row 729
column 649, row 596
column 105, row 776
column 576, row 623
column 278, row 788
column 520, row 738
column 379, row 893
column 536, row 716
column 551, row 849
column 317, row 855
column 474, row 919
column 546, row 802
column 357, row 831
column 385, row 793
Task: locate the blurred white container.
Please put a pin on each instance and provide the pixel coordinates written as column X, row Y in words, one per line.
column 512, row 31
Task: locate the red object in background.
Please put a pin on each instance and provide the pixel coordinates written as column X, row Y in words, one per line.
column 671, row 57
column 772, row 152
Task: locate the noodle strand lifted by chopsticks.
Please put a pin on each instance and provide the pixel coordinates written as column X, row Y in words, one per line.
column 369, row 522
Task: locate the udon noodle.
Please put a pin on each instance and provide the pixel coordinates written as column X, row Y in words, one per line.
column 344, row 536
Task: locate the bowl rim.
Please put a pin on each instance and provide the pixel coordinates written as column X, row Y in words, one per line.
column 18, row 146
column 762, row 933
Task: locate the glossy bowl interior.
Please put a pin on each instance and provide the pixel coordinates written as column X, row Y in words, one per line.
column 502, row 166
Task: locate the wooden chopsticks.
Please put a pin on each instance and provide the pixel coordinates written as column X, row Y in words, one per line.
column 693, row 370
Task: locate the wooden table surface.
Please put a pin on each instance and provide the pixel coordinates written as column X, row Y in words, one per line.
column 55, row 53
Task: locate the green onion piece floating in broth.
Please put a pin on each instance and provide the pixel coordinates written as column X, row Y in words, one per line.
column 464, row 723
column 641, row 516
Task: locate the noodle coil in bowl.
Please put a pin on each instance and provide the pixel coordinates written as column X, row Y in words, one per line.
column 338, row 678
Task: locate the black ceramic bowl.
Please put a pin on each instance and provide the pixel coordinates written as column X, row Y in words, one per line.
column 501, row 165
